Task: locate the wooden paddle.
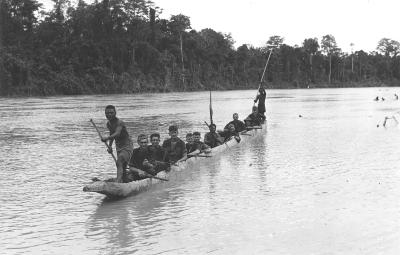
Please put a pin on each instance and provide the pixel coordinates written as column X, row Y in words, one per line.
column 245, row 134
column 196, row 153
column 254, row 127
column 101, row 137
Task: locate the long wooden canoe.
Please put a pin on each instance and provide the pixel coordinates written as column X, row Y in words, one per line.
column 115, row 190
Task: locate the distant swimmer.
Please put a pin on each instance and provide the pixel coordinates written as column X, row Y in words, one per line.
column 387, row 118
column 376, row 99
column 383, row 99
column 396, row 97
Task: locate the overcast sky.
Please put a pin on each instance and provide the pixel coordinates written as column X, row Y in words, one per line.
column 362, row 22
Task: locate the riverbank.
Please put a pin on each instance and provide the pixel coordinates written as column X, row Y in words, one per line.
column 62, row 84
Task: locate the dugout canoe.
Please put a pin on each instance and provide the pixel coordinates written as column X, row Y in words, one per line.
column 119, row 190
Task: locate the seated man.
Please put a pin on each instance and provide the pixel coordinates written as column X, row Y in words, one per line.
column 212, row 138
column 230, row 132
column 254, row 119
column 199, row 145
column 190, row 147
column 175, row 148
column 156, row 153
column 138, row 160
column 238, row 124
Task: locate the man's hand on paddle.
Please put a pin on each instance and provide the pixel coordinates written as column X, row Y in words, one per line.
column 109, row 150
column 104, row 139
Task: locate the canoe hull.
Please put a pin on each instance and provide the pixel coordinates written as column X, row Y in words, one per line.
column 118, row 190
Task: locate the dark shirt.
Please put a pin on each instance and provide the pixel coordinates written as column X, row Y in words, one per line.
column 254, row 119
column 174, row 149
column 123, row 141
column 261, row 102
column 138, row 156
column 213, row 139
column 190, row 147
column 228, row 134
column 239, row 125
column 156, row 153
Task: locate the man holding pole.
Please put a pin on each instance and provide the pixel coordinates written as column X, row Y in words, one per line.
column 123, row 142
column 261, row 96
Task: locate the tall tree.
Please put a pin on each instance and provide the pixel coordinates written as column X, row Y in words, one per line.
column 275, row 41
column 2, row 21
column 178, row 24
column 352, row 58
column 388, row 47
column 329, row 46
column 311, row 47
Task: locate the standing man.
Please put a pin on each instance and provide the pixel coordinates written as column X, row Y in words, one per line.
column 261, row 96
column 123, row 142
column 175, row 148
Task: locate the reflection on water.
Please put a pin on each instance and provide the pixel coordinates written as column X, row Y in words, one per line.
column 323, row 180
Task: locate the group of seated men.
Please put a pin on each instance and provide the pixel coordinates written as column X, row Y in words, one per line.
column 154, row 158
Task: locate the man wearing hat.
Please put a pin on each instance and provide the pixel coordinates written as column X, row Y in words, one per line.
column 175, row 148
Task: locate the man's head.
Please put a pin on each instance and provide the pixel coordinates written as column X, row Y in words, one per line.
column 155, row 139
column 255, row 109
column 173, row 131
column 235, row 116
column 196, row 136
column 110, row 112
column 212, row 128
column 189, row 138
column 142, row 141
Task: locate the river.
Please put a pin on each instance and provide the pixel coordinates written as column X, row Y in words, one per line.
column 323, row 180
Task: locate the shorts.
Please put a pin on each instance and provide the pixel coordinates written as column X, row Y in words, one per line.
column 125, row 155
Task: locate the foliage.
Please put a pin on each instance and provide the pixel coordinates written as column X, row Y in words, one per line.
column 113, row 46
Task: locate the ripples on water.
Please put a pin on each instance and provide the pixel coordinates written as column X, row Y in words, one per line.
column 324, row 180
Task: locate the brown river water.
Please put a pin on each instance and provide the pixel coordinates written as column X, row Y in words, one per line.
column 323, row 180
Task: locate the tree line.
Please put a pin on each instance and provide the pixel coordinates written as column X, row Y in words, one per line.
column 123, row 46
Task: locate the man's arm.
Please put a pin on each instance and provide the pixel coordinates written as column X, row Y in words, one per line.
column 219, row 138
column 117, row 133
column 257, row 97
column 227, row 126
